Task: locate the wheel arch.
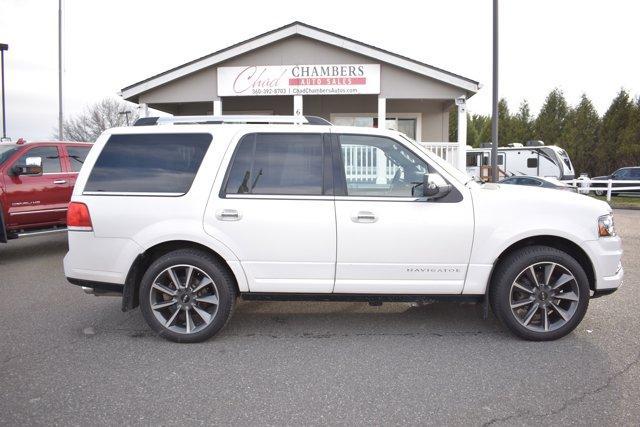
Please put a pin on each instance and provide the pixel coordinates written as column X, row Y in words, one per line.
column 130, row 294
column 556, row 242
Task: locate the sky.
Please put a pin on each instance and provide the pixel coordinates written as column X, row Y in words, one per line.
column 579, row 46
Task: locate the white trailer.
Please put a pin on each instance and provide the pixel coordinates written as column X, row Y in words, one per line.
column 533, row 159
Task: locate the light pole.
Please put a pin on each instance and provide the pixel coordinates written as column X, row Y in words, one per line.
column 3, row 47
column 494, row 113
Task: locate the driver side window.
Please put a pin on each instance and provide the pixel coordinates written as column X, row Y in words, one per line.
column 376, row 166
column 49, row 155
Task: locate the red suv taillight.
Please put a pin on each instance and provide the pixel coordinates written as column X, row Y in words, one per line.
column 78, row 218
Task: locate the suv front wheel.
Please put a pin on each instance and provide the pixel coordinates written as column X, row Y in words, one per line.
column 187, row 296
column 540, row 293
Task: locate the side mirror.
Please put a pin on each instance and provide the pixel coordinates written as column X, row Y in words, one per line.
column 432, row 189
column 32, row 167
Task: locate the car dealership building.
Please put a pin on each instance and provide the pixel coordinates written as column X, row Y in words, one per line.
column 303, row 70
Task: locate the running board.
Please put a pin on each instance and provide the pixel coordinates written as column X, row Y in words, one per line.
column 40, row 232
column 375, row 298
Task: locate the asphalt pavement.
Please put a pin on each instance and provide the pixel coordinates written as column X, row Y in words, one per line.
column 67, row 358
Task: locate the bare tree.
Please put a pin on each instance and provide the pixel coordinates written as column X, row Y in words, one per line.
column 97, row 118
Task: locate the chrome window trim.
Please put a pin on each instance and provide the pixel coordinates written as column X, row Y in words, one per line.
column 277, row 197
column 379, row 199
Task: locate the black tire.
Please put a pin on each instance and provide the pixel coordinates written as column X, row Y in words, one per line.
column 510, row 269
column 223, row 283
column 600, row 192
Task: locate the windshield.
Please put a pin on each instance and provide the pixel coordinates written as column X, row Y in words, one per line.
column 565, row 158
column 457, row 174
column 6, row 151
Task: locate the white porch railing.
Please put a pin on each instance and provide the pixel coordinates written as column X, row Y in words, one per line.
column 585, row 185
column 447, row 150
column 361, row 160
column 361, row 164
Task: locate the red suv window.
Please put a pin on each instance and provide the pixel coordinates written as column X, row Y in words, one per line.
column 50, row 158
column 77, row 156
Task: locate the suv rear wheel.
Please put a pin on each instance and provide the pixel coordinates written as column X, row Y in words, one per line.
column 187, row 296
column 540, row 293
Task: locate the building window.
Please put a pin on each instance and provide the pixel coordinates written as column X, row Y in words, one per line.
column 472, row 159
column 408, row 126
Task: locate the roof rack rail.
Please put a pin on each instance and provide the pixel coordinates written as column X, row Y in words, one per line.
column 210, row 120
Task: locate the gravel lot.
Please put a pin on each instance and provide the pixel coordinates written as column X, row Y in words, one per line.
column 71, row 358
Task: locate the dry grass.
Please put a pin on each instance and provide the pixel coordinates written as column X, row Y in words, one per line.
column 621, row 202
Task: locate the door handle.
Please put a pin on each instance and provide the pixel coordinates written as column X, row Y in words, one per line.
column 228, row 215
column 364, row 216
column 60, row 181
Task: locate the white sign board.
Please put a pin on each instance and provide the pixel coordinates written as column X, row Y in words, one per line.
column 321, row 79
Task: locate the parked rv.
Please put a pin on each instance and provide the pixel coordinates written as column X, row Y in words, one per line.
column 530, row 159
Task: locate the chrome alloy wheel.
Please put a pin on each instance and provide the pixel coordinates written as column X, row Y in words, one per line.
column 184, row 299
column 544, row 296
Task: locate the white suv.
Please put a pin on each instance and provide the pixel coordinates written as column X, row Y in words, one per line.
column 184, row 219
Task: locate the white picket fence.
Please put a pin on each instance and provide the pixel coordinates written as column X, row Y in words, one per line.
column 585, row 185
column 361, row 160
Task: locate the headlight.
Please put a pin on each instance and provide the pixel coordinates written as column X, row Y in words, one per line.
column 605, row 226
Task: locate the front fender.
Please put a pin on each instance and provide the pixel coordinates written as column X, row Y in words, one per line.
column 505, row 215
column 489, row 248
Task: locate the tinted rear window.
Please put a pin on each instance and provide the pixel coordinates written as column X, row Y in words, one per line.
column 149, row 163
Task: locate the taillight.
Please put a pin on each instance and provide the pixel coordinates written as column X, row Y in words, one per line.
column 78, row 218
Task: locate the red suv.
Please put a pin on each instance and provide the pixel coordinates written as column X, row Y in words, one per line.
column 36, row 182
